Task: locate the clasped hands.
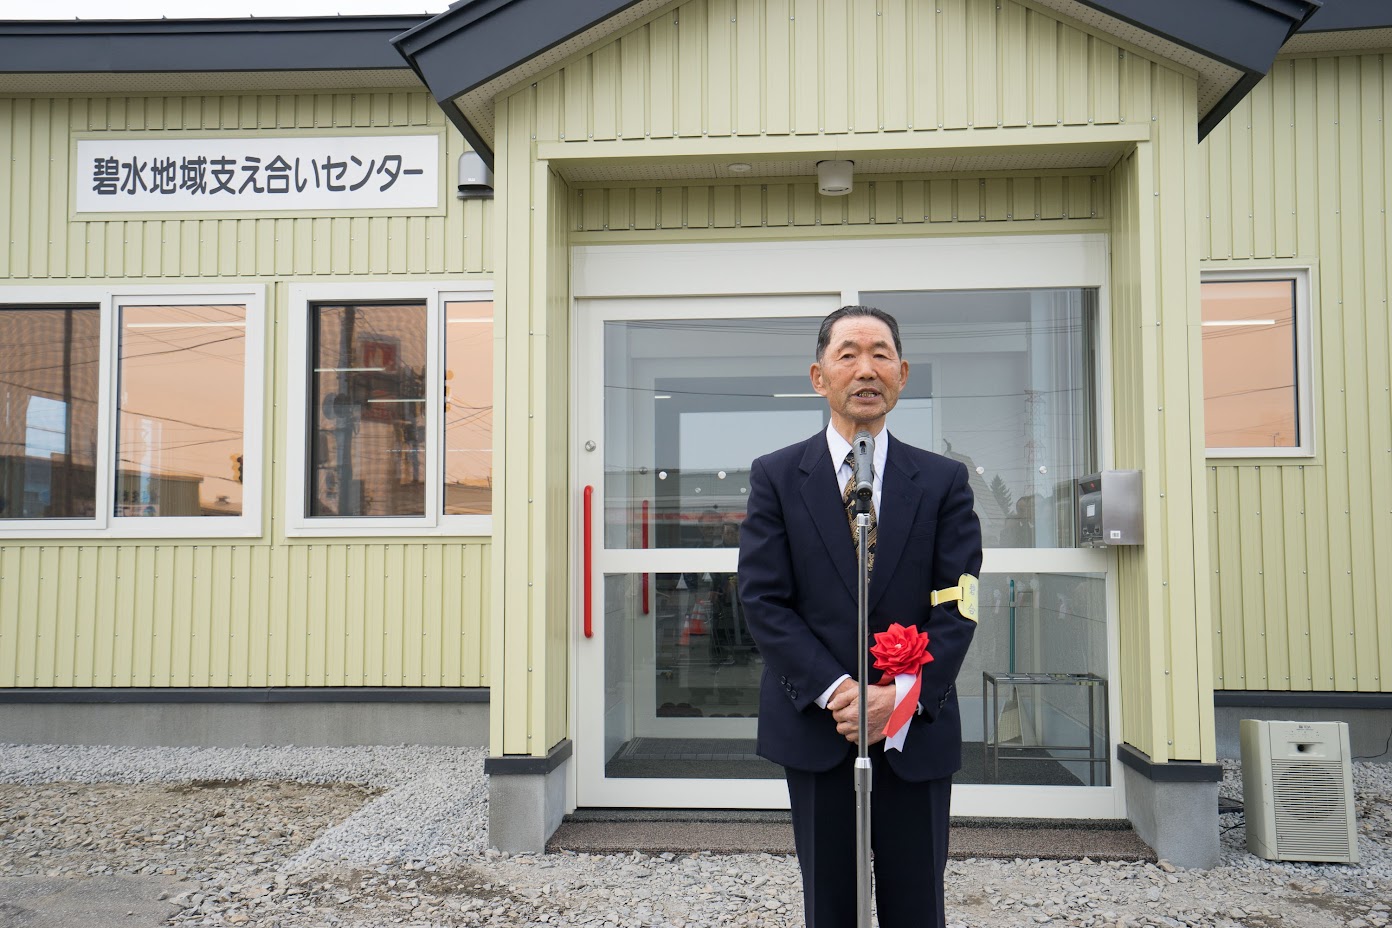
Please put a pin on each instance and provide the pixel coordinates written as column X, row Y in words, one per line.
column 844, row 706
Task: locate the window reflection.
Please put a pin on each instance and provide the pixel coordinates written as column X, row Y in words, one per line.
column 49, row 372
column 1249, row 363
column 180, row 416
column 468, row 408
column 368, row 400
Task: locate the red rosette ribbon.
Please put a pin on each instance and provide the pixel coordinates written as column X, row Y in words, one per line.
column 901, row 651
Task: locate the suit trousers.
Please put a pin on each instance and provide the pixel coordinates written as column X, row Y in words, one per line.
column 908, row 837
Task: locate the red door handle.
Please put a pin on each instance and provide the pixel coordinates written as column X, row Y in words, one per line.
column 645, row 547
column 589, row 562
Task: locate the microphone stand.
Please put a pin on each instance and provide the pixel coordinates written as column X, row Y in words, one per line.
column 862, row 764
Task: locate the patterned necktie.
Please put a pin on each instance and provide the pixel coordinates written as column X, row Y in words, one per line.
column 848, row 500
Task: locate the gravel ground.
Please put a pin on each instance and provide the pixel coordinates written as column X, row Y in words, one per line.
column 368, row 837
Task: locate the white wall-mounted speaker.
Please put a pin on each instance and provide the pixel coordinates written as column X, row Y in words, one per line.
column 1297, row 791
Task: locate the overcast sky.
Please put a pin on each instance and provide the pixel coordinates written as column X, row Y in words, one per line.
column 204, row 9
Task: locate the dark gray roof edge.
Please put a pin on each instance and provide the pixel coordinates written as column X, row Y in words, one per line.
column 334, row 43
column 1349, row 15
column 501, row 35
column 1243, row 34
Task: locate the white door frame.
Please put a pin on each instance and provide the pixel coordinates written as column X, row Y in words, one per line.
column 675, row 281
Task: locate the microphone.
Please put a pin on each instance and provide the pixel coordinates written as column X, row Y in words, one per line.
column 864, row 448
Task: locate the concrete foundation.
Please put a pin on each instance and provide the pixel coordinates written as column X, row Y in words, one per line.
column 526, row 799
column 201, row 723
column 1368, row 728
column 1174, row 808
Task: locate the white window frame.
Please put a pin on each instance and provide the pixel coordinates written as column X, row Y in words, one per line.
column 435, row 294
column 1301, row 276
column 109, row 300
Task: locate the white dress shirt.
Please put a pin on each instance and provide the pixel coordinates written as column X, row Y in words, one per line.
column 839, row 448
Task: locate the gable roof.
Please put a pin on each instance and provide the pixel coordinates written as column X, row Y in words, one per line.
column 478, row 48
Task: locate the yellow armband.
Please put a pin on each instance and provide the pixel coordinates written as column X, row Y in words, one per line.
column 963, row 594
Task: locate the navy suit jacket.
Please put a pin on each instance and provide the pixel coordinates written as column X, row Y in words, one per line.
column 797, row 583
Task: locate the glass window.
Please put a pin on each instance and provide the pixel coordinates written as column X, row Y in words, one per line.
column 368, row 403
column 1003, row 381
column 180, row 430
column 1250, row 365
column 49, row 384
column 468, row 408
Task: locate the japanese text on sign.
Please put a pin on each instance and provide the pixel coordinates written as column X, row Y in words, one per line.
column 188, row 175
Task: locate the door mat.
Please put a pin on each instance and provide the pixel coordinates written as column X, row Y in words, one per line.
column 611, row 831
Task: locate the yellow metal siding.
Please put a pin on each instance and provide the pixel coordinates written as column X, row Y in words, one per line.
column 779, row 203
column 1298, row 174
column 776, row 67
column 278, row 612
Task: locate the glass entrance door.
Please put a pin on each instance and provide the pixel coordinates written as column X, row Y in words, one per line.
column 679, row 395
column 686, row 393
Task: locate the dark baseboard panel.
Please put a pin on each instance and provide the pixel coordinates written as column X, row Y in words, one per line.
column 525, row 764
column 1176, row 771
column 1284, row 699
column 237, row 694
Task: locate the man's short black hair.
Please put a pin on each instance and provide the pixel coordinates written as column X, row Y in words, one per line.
column 824, row 333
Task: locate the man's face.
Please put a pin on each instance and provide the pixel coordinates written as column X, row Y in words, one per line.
column 860, row 374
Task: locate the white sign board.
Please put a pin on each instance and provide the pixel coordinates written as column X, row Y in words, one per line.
column 368, row 172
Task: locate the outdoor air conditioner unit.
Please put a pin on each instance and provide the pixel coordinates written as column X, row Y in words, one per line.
column 1297, row 787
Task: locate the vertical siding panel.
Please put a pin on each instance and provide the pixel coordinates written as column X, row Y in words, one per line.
column 575, row 123
column 1324, row 637
column 1014, row 62
column 1282, row 143
column 375, row 605
column 995, row 199
column 805, row 198
column 58, row 183
column 1376, row 189
column 1024, row 198
column 21, row 183
column 1228, row 556
column 969, row 200
column 175, row 628
column 751, row 205
column 64, row 624
column 806, row 89
column 432, row 639
column 550, row 103
column 8, row 131
column 670, row 207
column 886, row 202
column 1240, row 187
column 1104, row 67
column 394, row 590
column 297, row 606
column 1261, row 235
column 333, row 644
column 1078, row 197
column 865, row 67
column 893, row 64
column 127, row 588
column 355, row 642
column 954, row 43
column 213, row 594
column 107, row 620
column 776, row 211
column 259, row 611
column 1219, row 191
column 278, row 621
column 1073, row 55
column 39, row 193
column 91, row 606
column 982, row 16
column 1215, row 588
column 1335, row 374
column 154, row 565
column 23, row 563
column 1272, row 552
column 723, row 210
column 1051, row 201
column 835, row 74
column 1307, row 165
column 942, row 203
column 238, row 558
column 1298, row 624
column 633, row 86
column 644, row 214
column 857, row 206
column 698, row 207
column 777, row 78
column 662, row 33
column 617, row 214
column 926, row 56
column 1044, row 53
column 316, row 644
column 719, row 36
column 604, row 88
column 473, row 651
column 454, row 626
column 46, row 636
column 691, row 55
column 411, row 584
column 912, row 208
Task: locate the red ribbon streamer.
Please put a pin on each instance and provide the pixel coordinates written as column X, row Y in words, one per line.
column 901, row 650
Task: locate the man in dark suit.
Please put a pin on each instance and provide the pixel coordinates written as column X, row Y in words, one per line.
column 797, row 583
